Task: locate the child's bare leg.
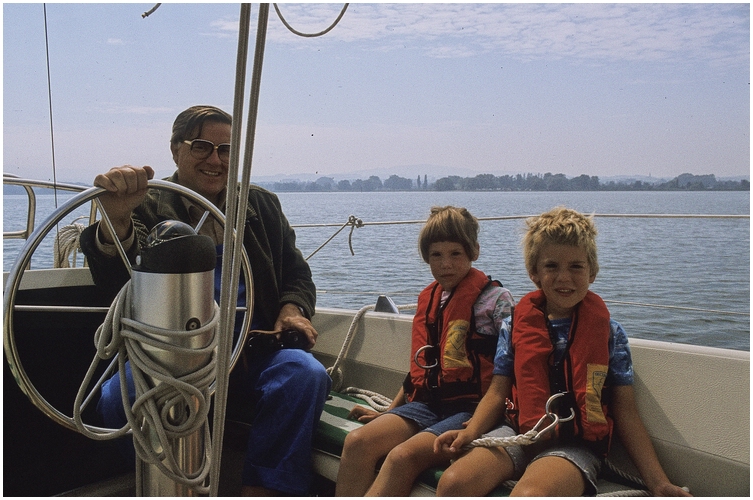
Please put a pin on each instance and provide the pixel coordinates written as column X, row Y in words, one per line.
column 476, row 473
column 550, row 476
column 404, row 463
column 364, row 447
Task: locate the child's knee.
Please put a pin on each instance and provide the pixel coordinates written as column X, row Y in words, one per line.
column 452, row 483
column 358, row 442
column 403, row 456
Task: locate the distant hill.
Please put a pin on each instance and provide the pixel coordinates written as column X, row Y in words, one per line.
column 432, row 173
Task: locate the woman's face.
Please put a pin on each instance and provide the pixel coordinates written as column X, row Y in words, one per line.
column 208, row 177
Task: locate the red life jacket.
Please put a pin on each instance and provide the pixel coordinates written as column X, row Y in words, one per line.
column 586, row 363
column 455, row 362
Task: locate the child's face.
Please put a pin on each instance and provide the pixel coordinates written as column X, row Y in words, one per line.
column 563, row 274
column 449, row 263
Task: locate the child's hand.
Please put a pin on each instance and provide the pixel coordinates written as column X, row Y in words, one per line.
column 452, row 441
column 362, row 414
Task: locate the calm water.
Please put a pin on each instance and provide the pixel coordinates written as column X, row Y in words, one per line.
column 682, row 263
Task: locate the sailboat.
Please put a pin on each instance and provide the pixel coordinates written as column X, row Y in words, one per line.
column 699, row 420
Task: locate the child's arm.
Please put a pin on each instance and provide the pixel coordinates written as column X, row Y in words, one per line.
column 367, row 414
column 637, row 442
column 488, row 413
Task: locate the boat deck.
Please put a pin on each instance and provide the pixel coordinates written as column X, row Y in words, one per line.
column 695, row 401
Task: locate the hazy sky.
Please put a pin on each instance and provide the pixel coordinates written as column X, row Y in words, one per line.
column 597, row 89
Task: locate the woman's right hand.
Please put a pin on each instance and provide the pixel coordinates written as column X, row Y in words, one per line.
column 126, row 188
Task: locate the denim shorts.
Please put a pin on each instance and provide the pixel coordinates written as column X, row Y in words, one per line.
column 436, row 418
column 580, row 456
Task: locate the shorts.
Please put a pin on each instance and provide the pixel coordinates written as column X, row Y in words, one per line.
column 435, row 418
column 580, row 456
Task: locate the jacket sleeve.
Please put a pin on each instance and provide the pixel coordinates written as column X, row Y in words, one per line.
column 297, row 285
column 278, row 264
column 109, row 273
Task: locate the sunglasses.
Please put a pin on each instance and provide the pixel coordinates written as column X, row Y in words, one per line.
column 202, row 149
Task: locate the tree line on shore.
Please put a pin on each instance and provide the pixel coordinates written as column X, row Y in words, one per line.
column 519, row 182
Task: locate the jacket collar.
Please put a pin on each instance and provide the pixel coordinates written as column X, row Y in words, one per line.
column 167, row 201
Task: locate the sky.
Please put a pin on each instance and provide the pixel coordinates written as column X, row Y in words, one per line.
column 597, row 89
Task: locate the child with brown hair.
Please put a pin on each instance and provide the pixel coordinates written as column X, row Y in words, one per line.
column 454, row 336
column 562, row 341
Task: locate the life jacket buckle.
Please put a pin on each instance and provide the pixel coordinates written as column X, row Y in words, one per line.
column 548, row 414
column 418, row 352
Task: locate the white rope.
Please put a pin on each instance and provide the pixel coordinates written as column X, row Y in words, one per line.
column 626, row 493
column 377, row 401
column 533, row 435
column 529, row 437
column 67, row 245
column 150, row 419
column 334, row 371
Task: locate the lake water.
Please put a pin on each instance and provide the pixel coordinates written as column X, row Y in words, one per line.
column 687, row 280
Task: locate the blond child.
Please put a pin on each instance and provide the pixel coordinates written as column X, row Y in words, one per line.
column 454, row 336
column 562, row 340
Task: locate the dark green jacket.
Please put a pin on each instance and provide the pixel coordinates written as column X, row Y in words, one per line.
column 280, row 273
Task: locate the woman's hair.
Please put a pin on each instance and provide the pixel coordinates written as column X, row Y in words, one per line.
column 561, row 226
column 188, row 124
column 452, row 224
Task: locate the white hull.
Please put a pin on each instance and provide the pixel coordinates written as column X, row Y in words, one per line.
column 694, row 401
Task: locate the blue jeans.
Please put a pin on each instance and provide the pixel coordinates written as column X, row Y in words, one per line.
column 289, row 388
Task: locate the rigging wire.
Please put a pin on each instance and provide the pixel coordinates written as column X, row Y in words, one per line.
column 150, row 11
column 310, row 35
column 523, row 217
column 49, row 99
column 52, row 127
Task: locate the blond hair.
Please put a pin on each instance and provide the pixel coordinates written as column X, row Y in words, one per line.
column 453, row 224
column 561, row 226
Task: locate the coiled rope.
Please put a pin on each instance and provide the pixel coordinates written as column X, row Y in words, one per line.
column 67, row 245
column 168, row 409
column 377, row 401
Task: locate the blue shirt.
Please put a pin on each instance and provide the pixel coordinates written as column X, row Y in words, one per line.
column 620, row 362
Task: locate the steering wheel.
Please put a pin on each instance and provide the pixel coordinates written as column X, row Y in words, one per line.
column 17, row 271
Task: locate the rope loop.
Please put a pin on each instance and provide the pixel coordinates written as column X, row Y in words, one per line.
column 353, row 222
column 310, row 35
column 377, row 401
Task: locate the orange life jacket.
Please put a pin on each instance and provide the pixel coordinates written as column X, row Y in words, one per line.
column 454, row 362
column 583, row 373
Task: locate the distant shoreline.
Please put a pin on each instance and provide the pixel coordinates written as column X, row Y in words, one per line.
column 512, row 183
column 489, row 182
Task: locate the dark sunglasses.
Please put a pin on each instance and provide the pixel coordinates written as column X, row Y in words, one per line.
column 202, row 149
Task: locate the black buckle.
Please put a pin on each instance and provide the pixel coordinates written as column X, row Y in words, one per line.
column 262, row 343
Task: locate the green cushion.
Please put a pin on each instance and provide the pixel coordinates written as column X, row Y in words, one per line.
column 334, row 425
